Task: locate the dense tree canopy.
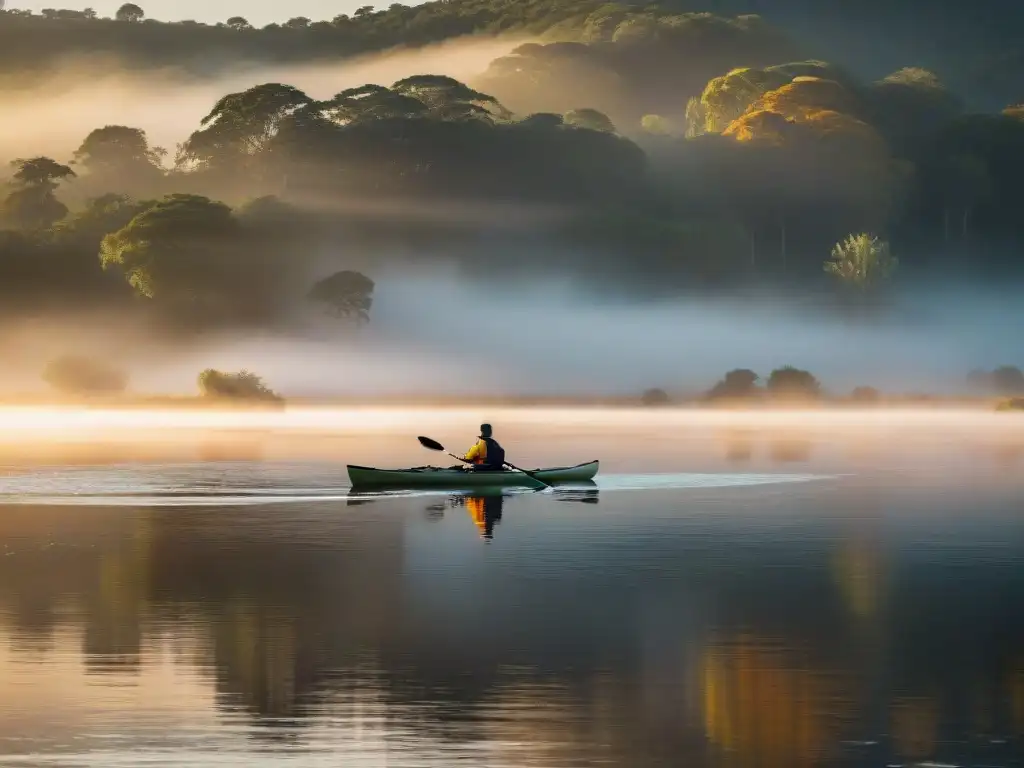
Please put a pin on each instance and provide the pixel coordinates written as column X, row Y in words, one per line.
column 653, row 148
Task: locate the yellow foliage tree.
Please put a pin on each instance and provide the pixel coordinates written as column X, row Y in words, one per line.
column 727, row 97
column 861, row 260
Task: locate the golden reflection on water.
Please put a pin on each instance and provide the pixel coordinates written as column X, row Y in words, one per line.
column 305, row 618
column 766, row 705
column 915, row 726
column 626, row 440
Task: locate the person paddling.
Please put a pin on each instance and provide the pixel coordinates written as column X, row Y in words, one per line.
column 487, row 453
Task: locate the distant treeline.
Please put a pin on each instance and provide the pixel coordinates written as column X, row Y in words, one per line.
column 791, row 384
column 80, row 376
column 660, row 151
column 977, row 44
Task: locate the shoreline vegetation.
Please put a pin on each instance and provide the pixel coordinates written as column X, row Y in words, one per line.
column 89, row 382
column 655, row 154
column 624, row 402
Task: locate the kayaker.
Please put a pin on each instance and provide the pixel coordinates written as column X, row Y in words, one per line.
column 487, row 453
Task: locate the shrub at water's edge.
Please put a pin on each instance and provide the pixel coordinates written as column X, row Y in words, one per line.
column 655, row 397
column 738, row 385
column 243, row 386
column 789, row 383
column 77, row 375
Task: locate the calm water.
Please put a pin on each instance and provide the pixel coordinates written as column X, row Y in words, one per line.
column 763, row 590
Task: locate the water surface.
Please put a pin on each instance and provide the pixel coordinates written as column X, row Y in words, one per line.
column 735, row 590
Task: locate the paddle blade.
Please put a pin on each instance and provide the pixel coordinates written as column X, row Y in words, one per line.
column 432, row 445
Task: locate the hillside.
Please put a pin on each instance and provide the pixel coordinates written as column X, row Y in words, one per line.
column 971, row 45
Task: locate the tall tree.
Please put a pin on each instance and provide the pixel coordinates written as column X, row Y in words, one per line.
column 119, row 157
column 130, row 12
column 346, row 294
column 240, row 125
column 181, row 249
column 32, row 204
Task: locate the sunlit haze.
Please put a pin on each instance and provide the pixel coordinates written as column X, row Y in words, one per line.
column 511, row 383
column 258, row 12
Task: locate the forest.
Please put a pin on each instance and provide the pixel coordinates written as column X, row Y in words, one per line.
column 661, row 149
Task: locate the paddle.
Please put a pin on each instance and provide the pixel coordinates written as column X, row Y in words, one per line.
column 433, row 445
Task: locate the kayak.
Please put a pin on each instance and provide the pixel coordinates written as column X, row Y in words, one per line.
column 436, row 477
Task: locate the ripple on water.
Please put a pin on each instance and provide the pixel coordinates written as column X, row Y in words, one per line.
column 239, row 484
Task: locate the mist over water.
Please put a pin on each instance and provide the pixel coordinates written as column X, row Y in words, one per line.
column 444, row 333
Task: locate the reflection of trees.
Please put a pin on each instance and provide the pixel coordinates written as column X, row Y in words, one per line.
column 739, row 445
column 291, row 607
column 915, row 726
column 113, row 628
column 61, row 566
column 765, row 705
column 788, row 450
column 858, row 567
column 1017, row 697
column 283, row 599
column 255, row 653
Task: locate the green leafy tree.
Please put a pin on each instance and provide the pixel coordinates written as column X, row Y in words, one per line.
column 792, row 383
column 130, row 12
column 238, row 23
column 119, row 157
column 655, row 397
column 346, row 294
column 240, row 125
column 181, row 249
column 243, row 385
column 911, row 105
column 861, row 261
column 32, row 202
column 737, row 384
column 372, row 102
column 589, row 118
column 1008, row 380
column 448, row 98
column 657, row 125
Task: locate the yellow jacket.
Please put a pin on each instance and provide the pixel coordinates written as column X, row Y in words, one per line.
column 478, row 453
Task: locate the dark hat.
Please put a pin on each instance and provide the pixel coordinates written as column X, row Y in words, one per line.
column 485, row 430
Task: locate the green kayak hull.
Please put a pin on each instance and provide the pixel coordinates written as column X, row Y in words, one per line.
column 459, row 479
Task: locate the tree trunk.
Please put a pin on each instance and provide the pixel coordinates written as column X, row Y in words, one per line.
column 967, row 213
column 945, row 223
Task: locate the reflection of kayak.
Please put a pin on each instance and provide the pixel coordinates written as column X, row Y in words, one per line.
column 433, row 477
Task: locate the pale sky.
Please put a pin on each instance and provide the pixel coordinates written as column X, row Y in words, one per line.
column 258, row 12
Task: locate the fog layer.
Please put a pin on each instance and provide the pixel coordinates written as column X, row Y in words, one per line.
column 442, row 334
